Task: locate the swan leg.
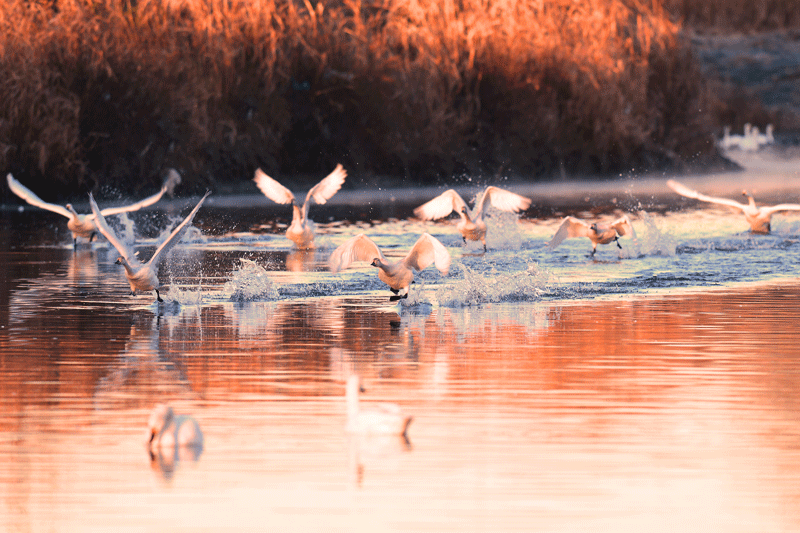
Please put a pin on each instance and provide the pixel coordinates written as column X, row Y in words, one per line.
column 158, row 296
column 463, row 238
column 74, row 243
column 616, row 239
column 394, row 290
column 394, row 298
column 92, row 236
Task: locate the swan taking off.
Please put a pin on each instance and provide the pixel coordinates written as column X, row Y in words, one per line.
column 84, row 225
column 143, row 277
column 574, row 227
column 301, row 231
column 759, row 218
column 471, row 226
column 167, row 432
column 397, row 275
column 377, row 419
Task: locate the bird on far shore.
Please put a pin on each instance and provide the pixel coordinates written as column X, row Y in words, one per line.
column 398, row 275
column 598, row 234
column 301, row 230
column 84, row 225
column 143, row 277
column 759, row 218
column 472, row 226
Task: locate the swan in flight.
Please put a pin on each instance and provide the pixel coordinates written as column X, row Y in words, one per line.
column 377, row 419
column 168, row 432
column 759, row 218
column 471, row 226
column 301, row 231
column 574, row 227
column 84, row 225
column 143, row 277
column 397, row 275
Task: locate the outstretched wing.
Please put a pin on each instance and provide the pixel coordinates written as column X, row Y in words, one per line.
column 359, row 248
column 330, row 185
column 30, row 197
column 683, row 190
column 623, row 226
column 272, row 189
column 441, row 206
column 176, row 235
column 501, row 199
column 426, row 251
column 109, row 234
column 571, row 227
column 138, row 205
column 770, row 210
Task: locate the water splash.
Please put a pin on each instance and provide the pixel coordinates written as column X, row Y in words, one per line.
column 502, row 230
column 127, row 234
column 476, row 289
column 250, row 282
column 654, row 241
column 184, row 296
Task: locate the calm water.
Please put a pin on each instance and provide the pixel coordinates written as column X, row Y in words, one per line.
column 647, row 389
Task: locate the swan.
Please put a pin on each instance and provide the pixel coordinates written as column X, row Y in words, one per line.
column 759, row 218
column 377, row 419
column 84, row 225
column 472, row 225
column 143, row 277
column 167, row 432
column 301, row 231
column 768, row 137
column 397, row 275
column 574, row 227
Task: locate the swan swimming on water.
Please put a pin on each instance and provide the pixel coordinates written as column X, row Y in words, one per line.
column 376, row 419
column 574, row 227
column 301, row 231
column 759, row 218
column 168, row 432
column 143, row 277
column 472, row 225
column 84, row 225
column 397, row 275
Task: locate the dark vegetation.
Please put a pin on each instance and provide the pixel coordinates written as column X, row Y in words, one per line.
column 109, row 93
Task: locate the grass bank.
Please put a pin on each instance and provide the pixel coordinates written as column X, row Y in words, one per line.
column 97, row 93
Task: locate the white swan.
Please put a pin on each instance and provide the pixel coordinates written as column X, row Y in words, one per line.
column 574, row 227
column 301, row 231
column 143, row 277
column 167, row 431
column 397, row 275
column 472, row 225
column 377, row 419
column 759, row 218
column 84, row 225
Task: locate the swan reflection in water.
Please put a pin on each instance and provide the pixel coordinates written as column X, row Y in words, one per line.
column 172, row 439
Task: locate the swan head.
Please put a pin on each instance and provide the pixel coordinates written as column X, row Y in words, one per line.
column 71, row 209
column 593, row 227
column 119, row 261
column 161, row 418
column 376, row 262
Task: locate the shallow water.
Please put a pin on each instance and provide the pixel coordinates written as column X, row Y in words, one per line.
column 651, row 388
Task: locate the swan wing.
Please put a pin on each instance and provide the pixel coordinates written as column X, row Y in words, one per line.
column 623, row 226
column 441, row 206
column 109, row 234
column 176, row 235
column 683, row 190
column 330, row 185
column 503, row 200
column 426, row 251
column 135, row 207
column 570, row 227
column 272, row 189
column 359, row 248
column 769, row 210
column 30, row 197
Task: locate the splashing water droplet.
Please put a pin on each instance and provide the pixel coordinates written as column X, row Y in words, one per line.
column 250, row 282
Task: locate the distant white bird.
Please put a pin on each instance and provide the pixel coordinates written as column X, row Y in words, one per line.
column 472, row 225
column 768, row 137
column 143, row 277
column 301, row 231
column 759, row 218
column 167, row 432
column 574, row 227
column 397, row 275
column 84, row 225
column 377, row 419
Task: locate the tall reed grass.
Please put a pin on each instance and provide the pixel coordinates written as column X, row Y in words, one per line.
column 109, row 92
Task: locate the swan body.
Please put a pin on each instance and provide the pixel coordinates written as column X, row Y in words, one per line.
column 398, row 275
column 472, row 226
column 598, row 234
column 301, row 230
column 167, row 431
column 84, row 226
column 143, row 277
column 759, row 218
column 377, row 419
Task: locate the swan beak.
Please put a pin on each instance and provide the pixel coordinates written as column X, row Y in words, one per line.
column 152, row 436
column 374, row 262
column 118, row 261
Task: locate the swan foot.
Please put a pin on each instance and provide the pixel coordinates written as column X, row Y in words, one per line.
column 618, row 244
column 397, row 297
column 92, row 236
